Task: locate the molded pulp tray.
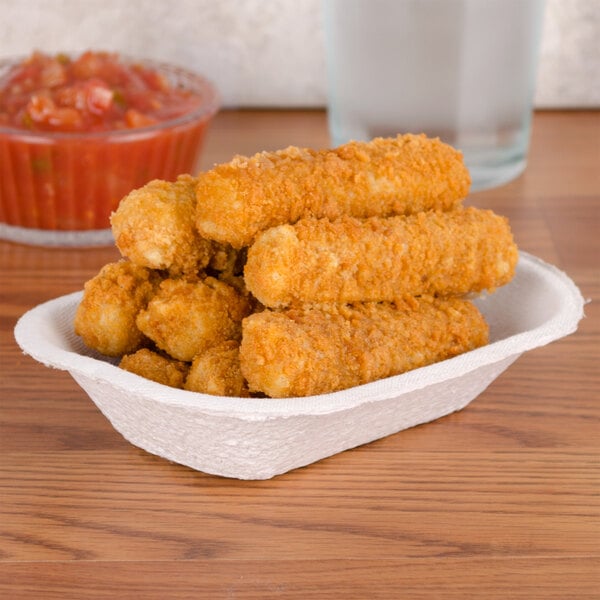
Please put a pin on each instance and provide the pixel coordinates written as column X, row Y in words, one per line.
column 252, row 438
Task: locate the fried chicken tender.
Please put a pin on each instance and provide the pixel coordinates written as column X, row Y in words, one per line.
column 383, row 177
column 380, row 259
column 154, row 227
column 184, row 318
column 105, row 318
column 308, row 351
column 156, row 367
column 217, row 371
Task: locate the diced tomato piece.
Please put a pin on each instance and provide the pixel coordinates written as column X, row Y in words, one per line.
column 99, row 97
column 93, row 64
column 40, row 108
column 134, row 118
column 65, row 119
column 53, row 74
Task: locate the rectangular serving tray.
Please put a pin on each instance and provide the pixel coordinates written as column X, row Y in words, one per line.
column 258, row 438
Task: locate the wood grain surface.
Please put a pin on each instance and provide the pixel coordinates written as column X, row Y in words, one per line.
column 500, row 500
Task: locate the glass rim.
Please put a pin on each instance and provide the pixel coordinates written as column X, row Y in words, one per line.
column 210, row 104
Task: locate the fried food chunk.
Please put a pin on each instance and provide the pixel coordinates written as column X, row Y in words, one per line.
column 154, row 227
column 184, row 318
column 380, row 259
column 156, row 367
column 307, row 351
column 105, row 318
column 385, row 176
column 217, row 371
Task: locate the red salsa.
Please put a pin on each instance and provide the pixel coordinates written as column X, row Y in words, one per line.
column 95, row 91
column 74, row 135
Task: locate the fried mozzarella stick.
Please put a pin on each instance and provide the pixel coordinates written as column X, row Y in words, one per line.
column 382, row 177
column 185, row 318
column 154, row 227
column 217, row 371
column 106, row 316
column 381, row 259
column 155, row 366
column 307, row 351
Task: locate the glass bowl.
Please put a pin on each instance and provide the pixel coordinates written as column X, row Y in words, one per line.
column 59, row 189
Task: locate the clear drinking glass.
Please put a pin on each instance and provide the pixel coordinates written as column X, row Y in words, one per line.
column 462, row 70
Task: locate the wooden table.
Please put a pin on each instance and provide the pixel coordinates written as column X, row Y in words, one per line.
column 500, row 500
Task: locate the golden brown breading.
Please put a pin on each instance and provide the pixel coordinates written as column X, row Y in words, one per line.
column 105, row 317
column 379, row 259
column 308, row 351
column 186, row 317
column 217, row 371
column 156, row 367
column 386, row 176
column 154, row 227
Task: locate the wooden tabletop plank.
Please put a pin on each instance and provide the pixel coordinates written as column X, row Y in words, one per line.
column 120, row 506
column 420, row 579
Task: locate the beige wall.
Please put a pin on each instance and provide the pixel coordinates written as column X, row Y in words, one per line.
column 269, row 52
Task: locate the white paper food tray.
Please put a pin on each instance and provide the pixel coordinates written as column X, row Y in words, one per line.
column 252, row 438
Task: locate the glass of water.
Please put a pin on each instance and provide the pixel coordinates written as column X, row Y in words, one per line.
column 460, row 70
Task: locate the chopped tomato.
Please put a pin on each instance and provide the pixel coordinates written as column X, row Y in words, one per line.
column 41, row 110
column 99, row 97
column 96, row 91
column 134, row 118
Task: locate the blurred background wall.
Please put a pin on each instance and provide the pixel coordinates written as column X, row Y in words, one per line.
column 269, row 53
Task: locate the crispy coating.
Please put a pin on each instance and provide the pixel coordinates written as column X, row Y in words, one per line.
column 308, row 351
column 186, row 317
column 155, row 366
column 154, row 227
column 379, row 259
column 105, row 318
column 385, row 176
column 217, row 371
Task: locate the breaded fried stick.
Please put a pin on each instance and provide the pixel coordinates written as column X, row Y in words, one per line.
column 185, row 318
column 217, row 371
column 105, row 317
column 380, row 259
column 308, row 351
column 155, row 366
column 382, row 177
column 154, row 227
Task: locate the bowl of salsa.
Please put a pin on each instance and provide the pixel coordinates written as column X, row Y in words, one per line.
column 78, row 133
